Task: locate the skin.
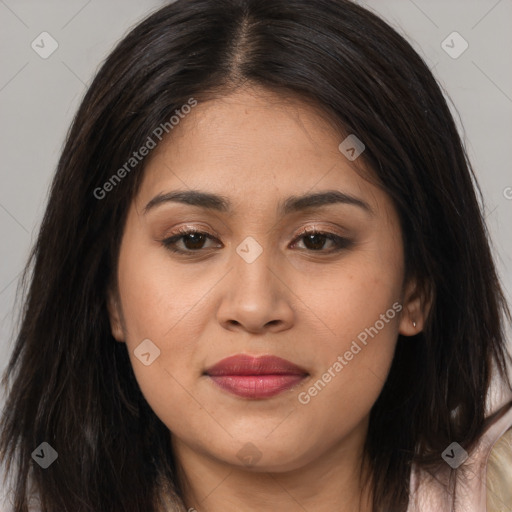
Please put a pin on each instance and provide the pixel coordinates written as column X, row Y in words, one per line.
column 303, row 305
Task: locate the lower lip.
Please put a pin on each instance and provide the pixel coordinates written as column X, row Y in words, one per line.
column 256, row 386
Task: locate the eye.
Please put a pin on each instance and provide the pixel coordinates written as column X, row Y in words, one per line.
column 193, row 241
column 315, row 240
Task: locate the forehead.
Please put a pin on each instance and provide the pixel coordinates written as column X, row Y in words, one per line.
column 251, row 119
column 257, row 145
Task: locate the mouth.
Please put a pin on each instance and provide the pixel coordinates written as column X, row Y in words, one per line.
column 255, row 377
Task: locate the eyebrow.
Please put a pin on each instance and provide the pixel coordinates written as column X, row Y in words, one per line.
column 292, row 204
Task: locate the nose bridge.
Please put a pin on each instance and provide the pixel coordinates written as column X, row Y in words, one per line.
column 253, row 266
column 254, row 296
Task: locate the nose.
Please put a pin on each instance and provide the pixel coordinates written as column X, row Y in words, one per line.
column 255, row 295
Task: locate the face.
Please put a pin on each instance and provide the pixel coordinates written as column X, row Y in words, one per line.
column 318, row 284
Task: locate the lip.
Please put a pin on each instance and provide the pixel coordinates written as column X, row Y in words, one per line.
column 255, row 377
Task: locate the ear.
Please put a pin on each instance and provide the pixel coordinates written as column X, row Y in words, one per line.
column 417, row 302
column 115, row 316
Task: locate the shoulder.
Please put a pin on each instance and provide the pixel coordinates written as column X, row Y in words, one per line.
column 484, row 480
column 499, row 474
column 481, row 482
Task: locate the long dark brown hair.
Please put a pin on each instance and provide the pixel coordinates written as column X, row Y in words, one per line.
column 71, row 385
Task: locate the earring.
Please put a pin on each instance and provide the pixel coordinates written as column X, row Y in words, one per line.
column 413, row 323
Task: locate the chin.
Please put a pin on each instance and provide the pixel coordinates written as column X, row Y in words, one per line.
column 268, row 455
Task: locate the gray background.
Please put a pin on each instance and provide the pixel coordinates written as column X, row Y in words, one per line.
column 38, row 98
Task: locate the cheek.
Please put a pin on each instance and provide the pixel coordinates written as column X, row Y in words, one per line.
column 158, row 297
column 171, row 396
column 352, row 372
column 159, row 308
column 361, row 308
column 352, row 298
column 160, row 305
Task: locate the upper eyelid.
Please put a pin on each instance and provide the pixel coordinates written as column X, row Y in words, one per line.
column 182, row 231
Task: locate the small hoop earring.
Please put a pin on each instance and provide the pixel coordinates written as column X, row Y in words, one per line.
column 413, row 323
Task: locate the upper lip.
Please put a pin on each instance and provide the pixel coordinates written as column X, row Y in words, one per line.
column 243, row 364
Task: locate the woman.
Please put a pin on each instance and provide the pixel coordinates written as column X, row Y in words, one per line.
column 262, row 282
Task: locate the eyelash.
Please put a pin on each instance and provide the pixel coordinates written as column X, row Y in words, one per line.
column 169, row 243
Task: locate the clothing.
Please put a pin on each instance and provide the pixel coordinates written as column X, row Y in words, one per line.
column 475, row 486
column 499, row 474
column 485, row 477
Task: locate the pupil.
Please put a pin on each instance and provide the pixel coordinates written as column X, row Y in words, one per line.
column 195, row 238
column 316, row 238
